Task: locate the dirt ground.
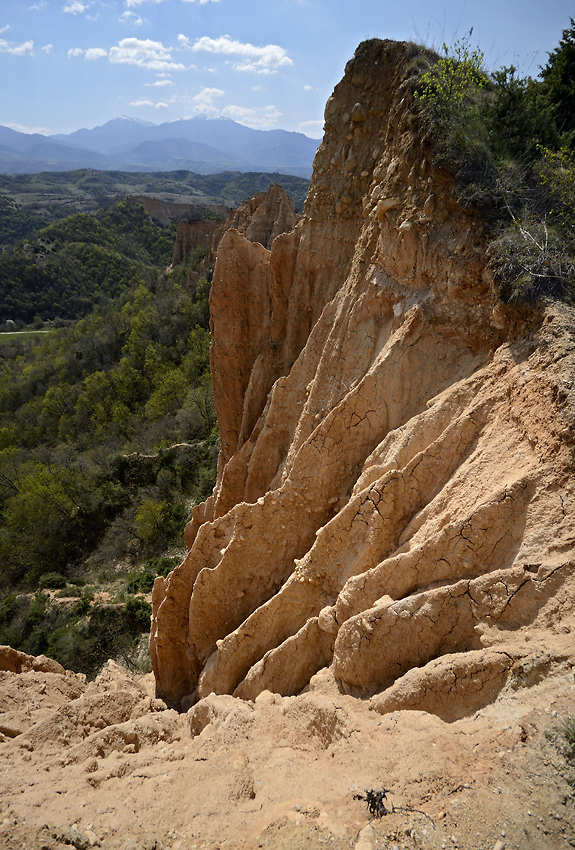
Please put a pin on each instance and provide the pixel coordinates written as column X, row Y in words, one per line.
column 280, row 773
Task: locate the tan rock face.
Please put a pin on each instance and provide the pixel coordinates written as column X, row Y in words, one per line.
column 395, row 497
column 190, row 235
column 260, row 219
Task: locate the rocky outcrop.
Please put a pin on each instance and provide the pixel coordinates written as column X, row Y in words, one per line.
column 190, row 235
column 260, row 219
column 395, row 499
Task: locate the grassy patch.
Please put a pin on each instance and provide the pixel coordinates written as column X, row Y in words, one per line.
column 20, row 336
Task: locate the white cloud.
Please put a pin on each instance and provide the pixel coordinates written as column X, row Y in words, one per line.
column 44, row 131
column 25, row 49
column 91, row 53
column 95, row 53
column 262, row 117
column 312, row 128
column 3, row 29
column 132, row 3
column 38, row 6
column 160, row 83
column 145, row 53
column 204, row 100
column 75, row 7
column 263, row 60
column 201, row 2
column 48, row 48
column 149, row 103
column 128, row 17
column 307, row 88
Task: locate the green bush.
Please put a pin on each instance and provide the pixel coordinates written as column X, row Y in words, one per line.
column 509, row 142
column 138, row 613
column 53, row 581
column 82, row 606
column 140, row 582
column 163, row 566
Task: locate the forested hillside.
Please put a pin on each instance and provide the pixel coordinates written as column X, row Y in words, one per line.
column 107, row 431
column 81, row 261
column 29, row 202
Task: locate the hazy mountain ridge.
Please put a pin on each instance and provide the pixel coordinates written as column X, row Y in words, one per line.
column 205, row 145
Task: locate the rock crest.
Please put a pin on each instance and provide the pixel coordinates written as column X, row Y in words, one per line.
column 395, row 499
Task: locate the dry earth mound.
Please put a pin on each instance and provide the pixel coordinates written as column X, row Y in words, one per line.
column 104, row 764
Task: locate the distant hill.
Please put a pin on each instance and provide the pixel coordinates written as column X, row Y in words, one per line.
column 29, row 202
column 199, row 144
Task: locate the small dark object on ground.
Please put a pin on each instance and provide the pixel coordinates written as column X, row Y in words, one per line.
column 375, row 802
column 377, row 807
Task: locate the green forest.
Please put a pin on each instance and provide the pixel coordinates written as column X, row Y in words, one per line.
column 79, row 262
column 107, row 430
column 29, row 202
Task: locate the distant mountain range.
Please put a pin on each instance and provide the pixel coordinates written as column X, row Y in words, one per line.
column 199, row 144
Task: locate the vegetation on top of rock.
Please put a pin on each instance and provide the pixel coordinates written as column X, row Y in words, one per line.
column 510, row 142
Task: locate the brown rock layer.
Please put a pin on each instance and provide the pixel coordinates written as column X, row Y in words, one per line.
column 260, row 219
column 395, row 494
column 190, row 235
column 166, row 211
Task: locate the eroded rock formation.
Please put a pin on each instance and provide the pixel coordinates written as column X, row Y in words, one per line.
column 190, row 235
column 395, row 494
column 260, row 219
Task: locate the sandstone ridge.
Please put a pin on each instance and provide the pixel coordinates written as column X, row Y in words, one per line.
column 395, row 500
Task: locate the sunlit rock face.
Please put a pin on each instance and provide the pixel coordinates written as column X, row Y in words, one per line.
column 395, row 494
column 260, row 219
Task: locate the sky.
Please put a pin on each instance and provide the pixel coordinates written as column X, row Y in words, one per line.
column 68, row 64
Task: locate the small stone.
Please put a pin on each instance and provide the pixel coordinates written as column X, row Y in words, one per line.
column 358, row 114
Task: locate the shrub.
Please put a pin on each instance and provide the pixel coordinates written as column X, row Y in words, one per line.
column 447, row 93
column 567, row 729
column 159, row 523
column 162, row 566
column 138, row 613
column 140, row 582
column 82, row 606
column 557, row 175
column 532, row 260
column 52, row 581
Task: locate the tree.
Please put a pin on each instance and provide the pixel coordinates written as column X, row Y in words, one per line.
column 559, row 84
column 445, row 90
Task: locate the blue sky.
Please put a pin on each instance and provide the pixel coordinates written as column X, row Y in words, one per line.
column 67, row 64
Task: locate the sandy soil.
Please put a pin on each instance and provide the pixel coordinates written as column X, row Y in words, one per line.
column 281, row 773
